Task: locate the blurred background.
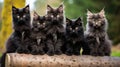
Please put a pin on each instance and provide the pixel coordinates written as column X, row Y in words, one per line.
column 73, row 9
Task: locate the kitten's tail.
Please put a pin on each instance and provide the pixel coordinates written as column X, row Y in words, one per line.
column 2, row 60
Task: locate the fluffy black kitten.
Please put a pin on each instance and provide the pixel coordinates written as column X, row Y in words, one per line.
column 21, row 26
column 55, row 29
column 74, row 36
column 38, row 34
column 96, row 34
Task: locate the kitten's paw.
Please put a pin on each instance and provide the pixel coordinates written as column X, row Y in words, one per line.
column 69, row 53
column 50, row 53
column 21, row 50
column 107, row 54
column 85, row 53
column 58, row 52
column 27, row 52
column 41, row 52
column 77, row 53
column 94, row 54
column 34, row 52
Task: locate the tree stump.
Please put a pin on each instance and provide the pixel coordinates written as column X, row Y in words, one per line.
column 28, row 60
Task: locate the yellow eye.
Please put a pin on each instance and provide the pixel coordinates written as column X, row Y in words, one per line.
column 43, row 23
column 70, row 28
column 93, row 21
column 52, row 16
column 58, row 15
column 24, row 16
column 99, row 21
column 18, row 16
column 76, row 28
column 38, row 23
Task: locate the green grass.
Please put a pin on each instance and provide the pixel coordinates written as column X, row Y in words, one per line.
column 116, row 53
column 0, row 54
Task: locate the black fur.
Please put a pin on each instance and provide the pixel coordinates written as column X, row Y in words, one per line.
column 21, row 23
column 55, row 29
column 74, row 37
column 38, row 34
column 96, row 34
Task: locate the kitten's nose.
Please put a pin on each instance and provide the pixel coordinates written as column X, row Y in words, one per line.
column 55, row 19
column 96, row 25
column 41, row 26
column 21, row 18
column 73, row 31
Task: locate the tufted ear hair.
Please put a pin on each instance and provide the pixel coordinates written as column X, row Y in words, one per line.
column 79, row 21
column 35, row 15
column 49, row 8
column 14, row 9
column 68, row 21
column 60, row 8
column 102, row 12
column 89, row 12
column 27, row 9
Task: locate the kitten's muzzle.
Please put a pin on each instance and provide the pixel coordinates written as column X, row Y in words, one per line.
column 55, row 22
column 54, row 19
column 41, row 26
column 73, row 34
column 21, row 22
column 73, row 31
column 96, row 25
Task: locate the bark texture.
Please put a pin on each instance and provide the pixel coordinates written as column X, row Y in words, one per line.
column 28, row 60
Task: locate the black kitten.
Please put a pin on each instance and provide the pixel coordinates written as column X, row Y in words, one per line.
column 21, row 26
column 74, row 36
column 38, row 34
column 21, row 21
column 55, row 29
column 96, row 34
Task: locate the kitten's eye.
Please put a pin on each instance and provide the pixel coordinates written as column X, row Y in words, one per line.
column 99, row 21
column 38, row 23
column 58, row 16
column 24, row 16
column 43, row 23
column 52, row 16
column 70, row 28
column 93, row 21
column 18, row 16
column 76, row 28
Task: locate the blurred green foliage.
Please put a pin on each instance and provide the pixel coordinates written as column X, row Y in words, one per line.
column 76, row 8
column 116, row 53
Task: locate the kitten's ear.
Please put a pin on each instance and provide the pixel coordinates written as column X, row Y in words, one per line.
column 79, row 21
column 102, row 12
column 27, row 9
column 49, row 8
column 14, row 9
column 35, row 15
column 60, row 8
column 68, row 20
column 89, row 13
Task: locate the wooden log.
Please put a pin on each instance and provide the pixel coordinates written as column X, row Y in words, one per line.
column 28, row 60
